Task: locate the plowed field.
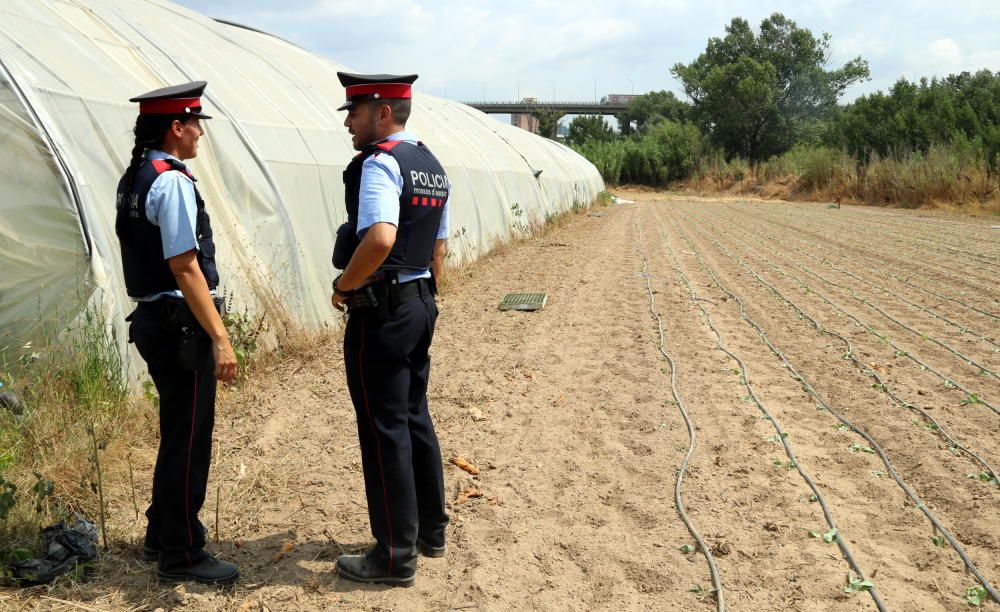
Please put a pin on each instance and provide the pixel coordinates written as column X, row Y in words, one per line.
column 769, row 399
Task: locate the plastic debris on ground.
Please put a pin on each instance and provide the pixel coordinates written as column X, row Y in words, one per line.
column 67, row 544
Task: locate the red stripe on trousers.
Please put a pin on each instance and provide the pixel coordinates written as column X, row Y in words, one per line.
column 378, row 444
column 187, row 476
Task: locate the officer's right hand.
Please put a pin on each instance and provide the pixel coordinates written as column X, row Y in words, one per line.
column 226, row 366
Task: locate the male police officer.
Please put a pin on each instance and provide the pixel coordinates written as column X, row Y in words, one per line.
column 168, row 256
column 397, row 197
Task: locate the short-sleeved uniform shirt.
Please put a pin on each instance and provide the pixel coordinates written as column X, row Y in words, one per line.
column 171, row 206
column 381, row 187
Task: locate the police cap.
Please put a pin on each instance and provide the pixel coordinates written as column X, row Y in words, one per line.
column 176, row 100
column 362, row 87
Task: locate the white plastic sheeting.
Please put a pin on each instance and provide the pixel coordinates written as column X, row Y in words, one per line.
column 270, row 166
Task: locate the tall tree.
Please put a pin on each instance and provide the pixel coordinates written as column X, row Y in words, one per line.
column 651, row 108
column 589, row 127
column 756, row 94
column 915, row 116
column 548, row 122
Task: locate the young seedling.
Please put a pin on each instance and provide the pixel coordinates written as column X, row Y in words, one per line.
column 855, row 584
column 939, row 541
column 950, row 385
column 975, row 595
column 828, row 537
column 687, row 549
column 776, row 438
column 841, row 427
column 878, row 473
column 972, row 400
column 864, row 449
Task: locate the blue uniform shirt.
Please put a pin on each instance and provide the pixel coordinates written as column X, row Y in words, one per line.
column 171, row 206
column 381, row 187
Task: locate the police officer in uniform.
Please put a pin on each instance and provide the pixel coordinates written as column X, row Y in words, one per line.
column 391, row 248
column 168, row 257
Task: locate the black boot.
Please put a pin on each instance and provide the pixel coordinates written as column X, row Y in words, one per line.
column 208, row 570
column 362, row 568
column 428, row 550
column 151, row 546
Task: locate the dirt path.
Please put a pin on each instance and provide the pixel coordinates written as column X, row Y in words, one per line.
column 571, row 416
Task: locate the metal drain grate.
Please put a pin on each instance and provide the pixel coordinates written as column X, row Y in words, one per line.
column 523, row 301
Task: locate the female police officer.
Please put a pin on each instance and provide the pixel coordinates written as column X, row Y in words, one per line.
column 168, row 257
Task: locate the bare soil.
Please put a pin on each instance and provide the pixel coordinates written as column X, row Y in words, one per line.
column 569, row 414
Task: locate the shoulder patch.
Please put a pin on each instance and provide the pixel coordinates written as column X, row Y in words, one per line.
column 161, row 165
column 388, row 145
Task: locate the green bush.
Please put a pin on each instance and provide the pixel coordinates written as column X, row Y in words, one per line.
column 666, row 152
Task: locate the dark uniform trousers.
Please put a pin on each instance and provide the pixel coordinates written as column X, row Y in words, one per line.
column 187, row 416
column 387, row 365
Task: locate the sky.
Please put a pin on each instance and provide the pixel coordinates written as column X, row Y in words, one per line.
column 577, row 50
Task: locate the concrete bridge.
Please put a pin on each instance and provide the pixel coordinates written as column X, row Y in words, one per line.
column 561, row 108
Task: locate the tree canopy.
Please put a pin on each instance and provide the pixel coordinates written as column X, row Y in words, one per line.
column 589, row 127
column 757, row 94
column 648, row 109
column 914, row 116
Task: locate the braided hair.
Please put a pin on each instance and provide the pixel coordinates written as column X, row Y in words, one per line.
column 150, row 130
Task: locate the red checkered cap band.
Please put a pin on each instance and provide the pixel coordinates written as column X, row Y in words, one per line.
column 384, row 90
column 170, row 106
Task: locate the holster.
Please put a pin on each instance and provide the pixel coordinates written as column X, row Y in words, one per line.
column 343, row 248
column 192, row 336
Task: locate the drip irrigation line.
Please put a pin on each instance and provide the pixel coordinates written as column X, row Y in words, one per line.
column 885, row 338
column 906, row 281
column 901, row 244
column 883, row 385
column 881, row 233
column 782, row 435
column 716, row 580
column 830, row 264
column 937, row 223
column 970, row 566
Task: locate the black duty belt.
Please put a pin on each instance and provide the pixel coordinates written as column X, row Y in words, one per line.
column 382, row 294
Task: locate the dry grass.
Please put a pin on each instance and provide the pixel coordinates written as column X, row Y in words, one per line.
column 944, row 177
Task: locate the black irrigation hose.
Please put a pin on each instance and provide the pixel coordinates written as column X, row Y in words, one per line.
column 830, row 264
column 885, row 338
column 782, row 435
column 941, row 266
column 876, row 232
column 962, row 357
column 906, row 281
column 871, row 441
column 716, row 580
column 939, row 428
column 937, row 222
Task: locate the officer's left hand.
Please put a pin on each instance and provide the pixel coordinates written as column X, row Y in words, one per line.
column 338, row 302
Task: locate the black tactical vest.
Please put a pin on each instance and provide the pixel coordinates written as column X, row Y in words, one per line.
column 146, row 271
column 421, row 205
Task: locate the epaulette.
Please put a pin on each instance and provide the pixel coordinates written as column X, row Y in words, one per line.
column 163, row 165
